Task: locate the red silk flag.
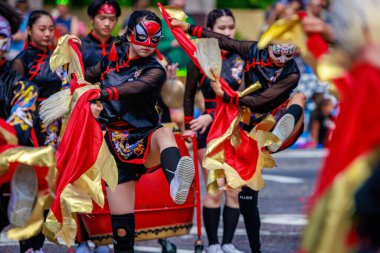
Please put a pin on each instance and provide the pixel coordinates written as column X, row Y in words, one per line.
column 352, row 151
column 83, row 158
column 79, row 148
column 240, row 158
column 357, row 124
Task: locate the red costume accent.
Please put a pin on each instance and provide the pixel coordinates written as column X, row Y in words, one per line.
column 107, row 9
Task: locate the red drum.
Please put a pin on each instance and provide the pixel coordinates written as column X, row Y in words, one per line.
column 157, row 216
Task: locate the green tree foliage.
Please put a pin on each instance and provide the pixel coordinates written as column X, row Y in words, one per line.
column 84, row 3
column 244, row 4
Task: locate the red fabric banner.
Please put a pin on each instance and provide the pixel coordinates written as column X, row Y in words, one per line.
column 79, row 148
column 357, row 125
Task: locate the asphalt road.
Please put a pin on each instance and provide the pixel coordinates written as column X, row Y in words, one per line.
column 281, row 203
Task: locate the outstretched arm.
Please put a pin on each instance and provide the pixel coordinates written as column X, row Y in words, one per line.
column 192, row 79
column 225, row 43
column 270, row 98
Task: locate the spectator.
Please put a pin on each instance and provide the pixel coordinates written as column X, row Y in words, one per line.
column 321, row 121
column 137, row 5
column 19, row 38
column 67, row 23
column 281, row 9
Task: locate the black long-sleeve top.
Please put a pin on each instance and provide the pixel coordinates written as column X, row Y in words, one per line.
column 232, row 70
column 33, row 63
column 130, row 89
column 277, row 82
column 18, row 98
column 93, row 50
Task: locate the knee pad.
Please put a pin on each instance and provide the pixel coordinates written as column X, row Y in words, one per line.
column 123, row 230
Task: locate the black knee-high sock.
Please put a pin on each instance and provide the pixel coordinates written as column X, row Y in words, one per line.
column 211, row 217
column 126, row 222
column 230, row 221
column 36, row 243
column 169, row 161
column 25, row 245
column 250, row 212
column 296, row 111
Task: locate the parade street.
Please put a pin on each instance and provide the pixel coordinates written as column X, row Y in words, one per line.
column 282, row 208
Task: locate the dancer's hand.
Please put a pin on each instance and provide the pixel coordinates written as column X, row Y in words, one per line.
column 172, row 71
column 312, row 24
column 75, row 39
column 188, row 133
column 96, row 108
column 221, row 182
column 201, row 123
column 217, row 87
column 178, row 23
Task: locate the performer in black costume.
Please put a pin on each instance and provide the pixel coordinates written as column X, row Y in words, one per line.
column 221, row 21
column 33, row 63
column 18, row 97
column 278, row 74
column 98, row 43
column 130, row 84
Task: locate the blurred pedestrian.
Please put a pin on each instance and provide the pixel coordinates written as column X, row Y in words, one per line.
column 65, row 22
column 322, row 122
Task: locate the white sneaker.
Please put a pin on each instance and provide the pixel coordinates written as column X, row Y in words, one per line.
column 102, row 249
column 83, row 248
column 34, row 251
column 38, row 251
column 282, row 130
column 230, row 248
column 214, row 248
column 183, row 177
column 24, row 186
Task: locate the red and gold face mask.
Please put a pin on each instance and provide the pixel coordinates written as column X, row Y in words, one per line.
column 147, row 33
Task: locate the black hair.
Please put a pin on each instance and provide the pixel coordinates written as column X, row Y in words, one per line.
column 217, row 13
column 94, row 7
column 140, row 15
column 34, row 16
column 135, row 18
column 11, row 15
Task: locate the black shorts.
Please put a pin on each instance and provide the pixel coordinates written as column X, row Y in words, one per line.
column 130, row 148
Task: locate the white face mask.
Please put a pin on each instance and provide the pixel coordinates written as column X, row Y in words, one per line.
column 281, row 53
column 5, row 31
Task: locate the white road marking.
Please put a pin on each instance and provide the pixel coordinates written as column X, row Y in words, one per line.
column 284, row 219
column 301, row 153
column 283, row 179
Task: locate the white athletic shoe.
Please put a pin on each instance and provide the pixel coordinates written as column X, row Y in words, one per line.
column 282, row 130
column 214, row 248
column 24, row 186
column 38, row 251
column 102, row 249
column 83, row 248
column 183, row 177
column 34, row 251
column 230, row 248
